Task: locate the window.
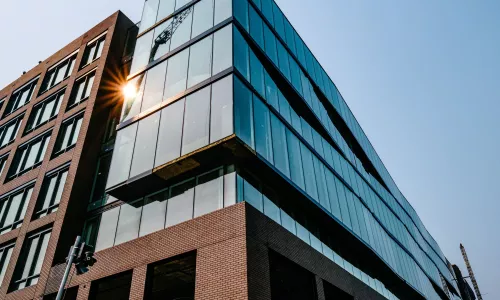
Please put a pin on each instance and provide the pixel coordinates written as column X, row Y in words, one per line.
column 29, row 156
column 196, row 121
column 173, row 279
column 82, row 89
column 5, row 254
column 170, row 136
column 116, row 287
column 45, row 111
column 9, row 131
column 93, row 50
column 12, row 209
column 30, row 261
column 3, row 160
column 50, row 195
column 200, row 61
column 58, row 73
column 20, row 97
column 69, row 135
column 100, row 178
column 145, row 145
column 122, row 155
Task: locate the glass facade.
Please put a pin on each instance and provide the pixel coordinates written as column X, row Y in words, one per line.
column 253, row 78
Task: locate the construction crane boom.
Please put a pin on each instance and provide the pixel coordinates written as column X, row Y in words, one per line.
column 471, row 273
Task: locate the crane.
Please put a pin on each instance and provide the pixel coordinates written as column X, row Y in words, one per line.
column 471, row 273
column 161, row 39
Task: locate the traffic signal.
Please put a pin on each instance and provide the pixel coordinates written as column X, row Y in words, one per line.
column 84, row 258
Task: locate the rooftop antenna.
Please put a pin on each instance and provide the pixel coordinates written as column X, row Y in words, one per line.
column 471, row 273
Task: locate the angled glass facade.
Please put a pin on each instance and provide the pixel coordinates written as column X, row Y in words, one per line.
column 212, row 72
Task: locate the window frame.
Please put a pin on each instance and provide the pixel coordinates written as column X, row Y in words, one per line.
column 17, row 122
column 25, row 253
column 97, row 44
column 26, row 197
column 42, row 137
column 52, row 73
column 84, row 78
column 58, row 173
column 30, row 86
column 3, row 162
column 58, row 102
column 5, row 258
column 73, row 120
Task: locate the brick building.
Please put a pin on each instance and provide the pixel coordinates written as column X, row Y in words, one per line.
column 229, row 167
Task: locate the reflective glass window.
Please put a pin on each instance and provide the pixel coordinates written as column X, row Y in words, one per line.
column 284, row 107
column 290, row 39
column 180, row 3
column 122, row 155
column 223, row 50
column 183, row 32
column 257, row 74
column 223, row 10
column 68, row 135
column 200, row 61
column 50, row 195
column 82, row 89
column 271, row 91
column 243, row 113
column 319, row 170
column 203, row 18
column 196, row 122
column 303, row 233
column 295, row 73
column 241, row 55
column 272, row 210
column 107, row 229
column 180, row 204
column 283, row 61
column 170, row 135
column 352, row 212
column 93, row 50
column 58, row 73
column 165, row 9
column 221, row 113
column 270, row 44
column 20, row 97
column 279, row 146
column 153, row 213
column 240, row 12
column 145, row 145
column 209, row 193
column 45, row 111
column 263, row 138
column 128, row 223
column 332, row 193
column 5, row 254
column 252, row 196
column 9, row 131
column 267, row 10
column 176, row 74
column 256, row 30
column 288, row 222
column 149, row 13
column 155, row 83
column 309, row 176
column 142, row 52
column 13, row 208
column 229, row 189
column 294, row 155
column 341, row 192
column 29, row 156
column 278, row 21
column 32, row 256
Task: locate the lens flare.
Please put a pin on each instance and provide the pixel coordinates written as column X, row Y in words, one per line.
column 129, row 90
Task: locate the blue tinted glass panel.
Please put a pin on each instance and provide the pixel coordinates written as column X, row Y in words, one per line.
column 283, row 61
column 271, row 91
column 296, row 80
column 332, row 193
column 257, row 75
column 322, row 189
column 252, row 196
column 294, row 155
column 241, row 54
column 296, row 123
column 290, row 39
column 279, row 146
column 341, row 192
column 243, row 119
column 270, row 43
column 271, row 210
column 278, row 21
column 256, row 30
column 352, row 212
column 262, row 121
column 284, row 107
column 267, row 10
column 240, row 11
column 309, row 176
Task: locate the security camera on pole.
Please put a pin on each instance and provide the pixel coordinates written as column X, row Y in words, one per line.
column 80, row 254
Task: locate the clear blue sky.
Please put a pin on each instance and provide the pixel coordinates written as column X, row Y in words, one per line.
column 422, row 78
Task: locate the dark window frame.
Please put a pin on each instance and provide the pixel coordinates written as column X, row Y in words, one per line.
column 22, row 258
column 42, row 105
column 39, row 156
column 94, row 47
column 17, row 122
column 85, row 79
column 71, row 121
column 53, row 206
column 52, row 73
column 13, row 103
column 26, row 196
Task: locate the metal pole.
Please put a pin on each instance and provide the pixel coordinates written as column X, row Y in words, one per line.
column 71, row 257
